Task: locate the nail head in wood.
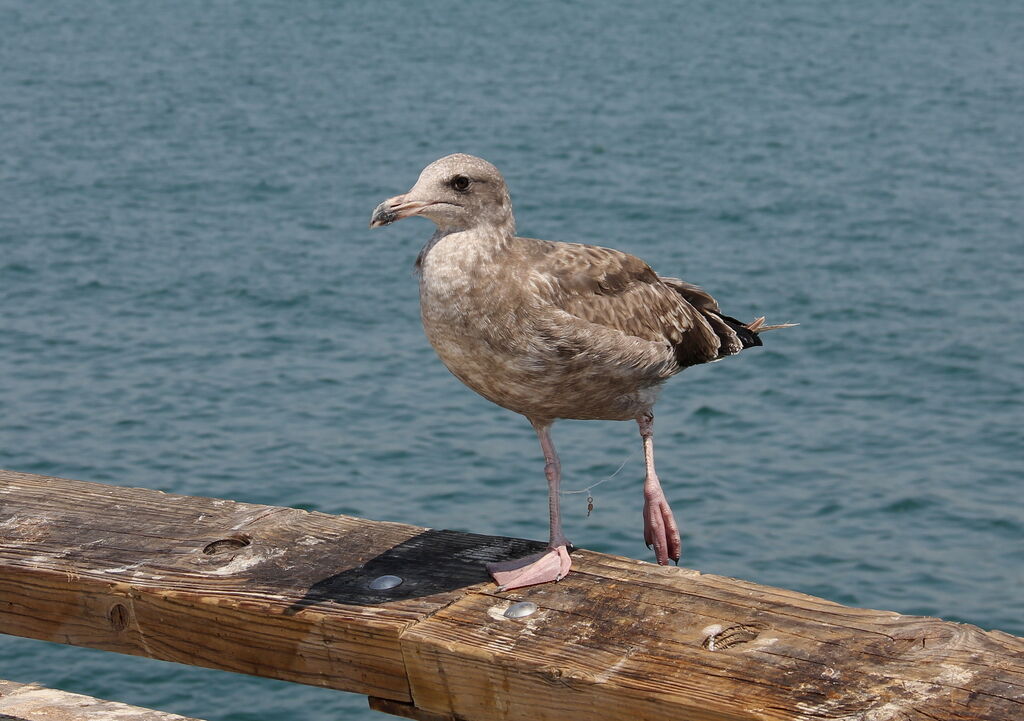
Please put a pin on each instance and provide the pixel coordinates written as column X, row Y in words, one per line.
column 383, row 583
column 521, row 609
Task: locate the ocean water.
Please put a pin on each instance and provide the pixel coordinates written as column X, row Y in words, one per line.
column 190, row 298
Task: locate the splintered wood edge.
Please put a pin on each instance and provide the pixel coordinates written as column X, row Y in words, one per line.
column 31, row 702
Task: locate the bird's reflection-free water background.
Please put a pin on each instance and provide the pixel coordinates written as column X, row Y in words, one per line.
column 192, row 301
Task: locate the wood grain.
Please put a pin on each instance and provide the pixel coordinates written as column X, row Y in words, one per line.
column 617, row 640
column 283, row 593
column 262, row 590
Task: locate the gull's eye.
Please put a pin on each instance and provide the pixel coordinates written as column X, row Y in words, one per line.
column 460, row 183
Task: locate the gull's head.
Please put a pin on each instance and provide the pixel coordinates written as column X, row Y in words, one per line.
column 457, row 192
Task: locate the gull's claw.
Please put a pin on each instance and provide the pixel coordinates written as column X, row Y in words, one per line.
column 660, row 529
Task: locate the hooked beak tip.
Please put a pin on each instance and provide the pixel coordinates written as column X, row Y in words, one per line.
column 394, row 209
column 383, row 215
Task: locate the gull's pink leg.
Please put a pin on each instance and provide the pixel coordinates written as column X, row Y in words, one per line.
column 660, row 528
column 550, row 565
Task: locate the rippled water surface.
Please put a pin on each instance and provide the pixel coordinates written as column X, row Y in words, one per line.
column 190, row 299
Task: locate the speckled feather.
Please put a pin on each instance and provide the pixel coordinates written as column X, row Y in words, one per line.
column 549, row 329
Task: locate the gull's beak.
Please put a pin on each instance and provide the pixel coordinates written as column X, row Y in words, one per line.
column 394, row 209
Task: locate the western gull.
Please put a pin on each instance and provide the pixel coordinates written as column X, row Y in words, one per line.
column 555, row 330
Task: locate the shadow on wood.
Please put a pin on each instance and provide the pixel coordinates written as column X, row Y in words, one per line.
column 440, row 561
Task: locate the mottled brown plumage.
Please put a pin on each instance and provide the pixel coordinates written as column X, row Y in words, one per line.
column 554, row 330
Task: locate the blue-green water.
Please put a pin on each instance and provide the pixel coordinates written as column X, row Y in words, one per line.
column 190, row 299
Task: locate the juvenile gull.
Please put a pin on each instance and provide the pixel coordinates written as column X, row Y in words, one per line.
column 554, row 330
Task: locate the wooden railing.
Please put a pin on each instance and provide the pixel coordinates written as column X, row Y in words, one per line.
column 288, row 594
column 31, row 702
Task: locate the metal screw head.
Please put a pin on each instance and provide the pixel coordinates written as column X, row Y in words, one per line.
column 382, row 583
column 521, row 609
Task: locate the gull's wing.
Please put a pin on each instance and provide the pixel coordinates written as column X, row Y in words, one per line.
column 615, row 291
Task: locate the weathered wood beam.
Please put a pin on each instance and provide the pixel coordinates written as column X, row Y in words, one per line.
column 30, row 702
column 283, row 593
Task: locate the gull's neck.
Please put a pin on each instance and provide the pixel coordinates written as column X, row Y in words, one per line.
column 480, row 243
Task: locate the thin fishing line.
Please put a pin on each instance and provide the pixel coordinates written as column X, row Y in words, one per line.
column 595, row 485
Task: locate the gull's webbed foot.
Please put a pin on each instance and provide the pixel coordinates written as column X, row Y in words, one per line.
column 550, row 565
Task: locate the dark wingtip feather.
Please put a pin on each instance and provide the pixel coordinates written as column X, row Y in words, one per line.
column 748, row 337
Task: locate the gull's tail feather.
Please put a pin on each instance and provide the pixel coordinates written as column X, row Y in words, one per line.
column 733, row 335
column 758, row 326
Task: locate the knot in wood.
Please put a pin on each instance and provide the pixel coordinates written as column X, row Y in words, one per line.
column 719, row 639
column 118, row 616
column 569, row 677
column 226, row 545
